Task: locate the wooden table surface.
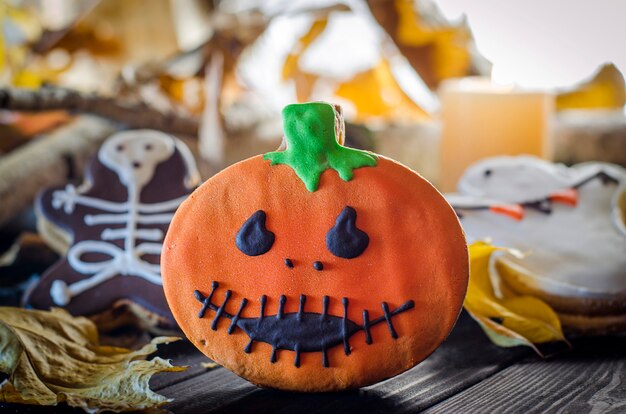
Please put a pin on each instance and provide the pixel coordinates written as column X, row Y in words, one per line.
column 467, row 374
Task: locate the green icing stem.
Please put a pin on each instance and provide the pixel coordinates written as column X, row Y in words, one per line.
column 312, row 146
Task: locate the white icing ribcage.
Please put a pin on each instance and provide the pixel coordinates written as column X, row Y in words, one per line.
column 145, row 234
column 97, row 219
column 123, row 263
column 126, row 261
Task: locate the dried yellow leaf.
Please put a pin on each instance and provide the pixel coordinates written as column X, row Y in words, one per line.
column 303, row 81
column 188, row 92
column 449, row 54
column 375, row 93
column 24, row 27
column 291, row 65
column 435, row 48
column 209, row 365
column 27, row 79
column 606, row 90
column 51, row 357
column 511, row 320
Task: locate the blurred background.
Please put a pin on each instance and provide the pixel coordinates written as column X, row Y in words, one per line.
column 433, row 84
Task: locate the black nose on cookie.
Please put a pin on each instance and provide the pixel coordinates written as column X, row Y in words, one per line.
column 136, row 164
column 317, row 265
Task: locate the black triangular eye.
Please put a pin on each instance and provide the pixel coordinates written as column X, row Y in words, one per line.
column 345, row 239
column 253, row 238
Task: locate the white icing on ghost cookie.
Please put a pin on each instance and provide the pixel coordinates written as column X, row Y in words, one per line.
column 569, row 219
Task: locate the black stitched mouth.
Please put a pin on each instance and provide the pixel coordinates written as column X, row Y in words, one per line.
column 299, row 331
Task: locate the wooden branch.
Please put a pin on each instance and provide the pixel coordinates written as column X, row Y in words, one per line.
column 135, row 115
column 48, row 161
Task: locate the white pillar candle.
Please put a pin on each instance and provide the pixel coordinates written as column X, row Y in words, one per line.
column 481, row 119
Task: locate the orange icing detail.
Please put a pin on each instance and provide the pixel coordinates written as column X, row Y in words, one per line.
column 515, row 211
column 417, row 251
column 568, row 196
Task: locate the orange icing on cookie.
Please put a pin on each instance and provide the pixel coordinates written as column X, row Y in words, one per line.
column 416, row 252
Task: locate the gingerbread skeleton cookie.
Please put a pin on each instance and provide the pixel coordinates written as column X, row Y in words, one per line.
column 569, row 221
column 317, row 267
column 115, row 221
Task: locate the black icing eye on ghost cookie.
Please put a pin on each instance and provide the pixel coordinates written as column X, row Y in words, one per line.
column 345, row 239
column 253, row 238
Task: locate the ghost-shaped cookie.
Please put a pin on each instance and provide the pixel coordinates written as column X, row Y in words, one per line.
column 115, row 222
column 568, row 221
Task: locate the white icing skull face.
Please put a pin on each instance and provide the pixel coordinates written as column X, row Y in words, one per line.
column 513, row 179
column 134, row 155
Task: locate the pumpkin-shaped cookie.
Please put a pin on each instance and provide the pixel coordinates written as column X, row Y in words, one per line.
column 318, row 267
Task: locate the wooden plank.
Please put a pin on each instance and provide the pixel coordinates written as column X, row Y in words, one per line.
column 206, row 392
column 591, row 379
column 463, row 360
column 35, row 409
